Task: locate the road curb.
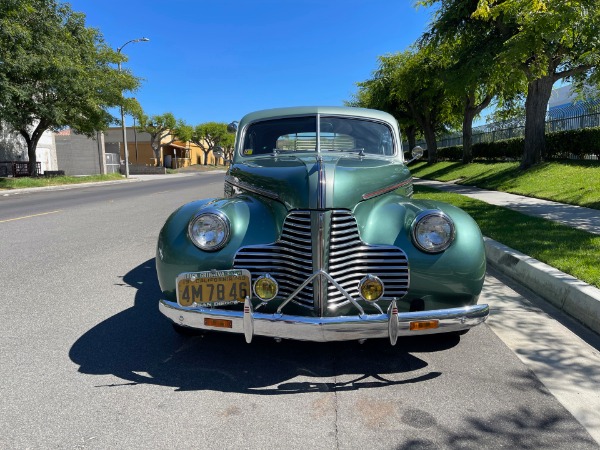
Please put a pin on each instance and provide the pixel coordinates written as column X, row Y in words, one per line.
column 131, row 179
column 575, row 297
column 63, row 187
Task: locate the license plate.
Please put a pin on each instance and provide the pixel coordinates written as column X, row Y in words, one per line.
column 214, row 288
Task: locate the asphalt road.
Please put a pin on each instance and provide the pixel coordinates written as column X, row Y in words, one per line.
column 86, row 360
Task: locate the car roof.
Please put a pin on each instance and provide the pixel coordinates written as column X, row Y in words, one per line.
column 325, row 110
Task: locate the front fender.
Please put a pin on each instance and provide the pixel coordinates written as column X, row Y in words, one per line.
column 448, row 279
column 253, row 221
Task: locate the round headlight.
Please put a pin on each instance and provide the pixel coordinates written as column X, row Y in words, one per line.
column 433, row 231
column 209, row 230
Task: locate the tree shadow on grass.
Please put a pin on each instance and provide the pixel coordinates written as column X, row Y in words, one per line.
column 494, row 179
column 139, row 346
column 438, row 173
column 488, row 179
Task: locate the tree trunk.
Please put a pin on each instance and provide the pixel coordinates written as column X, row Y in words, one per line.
column 538, row 95
column 429, row 133
column 468, row 135
column 155, row 145
column 156, row 152
column 32, row 142
column 471, row 110
column 411, row 133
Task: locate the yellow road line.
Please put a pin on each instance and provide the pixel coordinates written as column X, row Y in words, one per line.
column 33, row 215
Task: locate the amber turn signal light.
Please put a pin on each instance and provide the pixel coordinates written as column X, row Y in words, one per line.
column 424, row 325
column 218, row 323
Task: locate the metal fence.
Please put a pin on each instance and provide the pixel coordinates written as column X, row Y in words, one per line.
column 583, row 114
column 113, row 163
column 17, row 168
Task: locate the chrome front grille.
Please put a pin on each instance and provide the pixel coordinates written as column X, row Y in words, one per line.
column 350, row 260
column 289, row 260
column 347, row 259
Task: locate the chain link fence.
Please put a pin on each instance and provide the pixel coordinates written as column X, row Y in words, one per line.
column 583, row 114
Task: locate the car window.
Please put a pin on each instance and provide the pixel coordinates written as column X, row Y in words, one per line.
column 349, row 134
column 337, row 134
column 295, row 133
column 297, row 142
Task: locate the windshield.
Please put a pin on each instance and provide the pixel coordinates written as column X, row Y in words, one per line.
column 339, row 134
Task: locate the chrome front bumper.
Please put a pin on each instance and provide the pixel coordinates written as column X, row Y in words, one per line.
column 324, row 329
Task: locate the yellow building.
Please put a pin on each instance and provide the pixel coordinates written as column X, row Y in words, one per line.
column 173, row 155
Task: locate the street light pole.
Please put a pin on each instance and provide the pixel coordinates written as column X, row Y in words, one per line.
column 144, row 39
column 135, row 140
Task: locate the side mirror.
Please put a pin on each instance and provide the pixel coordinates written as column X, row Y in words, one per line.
column 417, row 153
column 220, row 153
column 232, row 127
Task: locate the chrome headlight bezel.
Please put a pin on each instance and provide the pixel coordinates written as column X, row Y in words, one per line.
column 418, row 231
column 222, row 225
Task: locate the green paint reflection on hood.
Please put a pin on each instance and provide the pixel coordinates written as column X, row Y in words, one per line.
column 294, row 180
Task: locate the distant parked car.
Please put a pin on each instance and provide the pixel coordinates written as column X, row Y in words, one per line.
column 317, row 238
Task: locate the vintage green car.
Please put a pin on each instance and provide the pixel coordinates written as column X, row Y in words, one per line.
column 317, row 238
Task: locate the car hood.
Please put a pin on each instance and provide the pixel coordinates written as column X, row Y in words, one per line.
column 329, row 181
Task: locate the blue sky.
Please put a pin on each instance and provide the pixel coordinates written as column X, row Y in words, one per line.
column 216, row 60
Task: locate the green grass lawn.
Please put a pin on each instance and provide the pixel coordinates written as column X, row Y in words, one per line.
column 573, row 182
column 573, row 251
column 27, row 182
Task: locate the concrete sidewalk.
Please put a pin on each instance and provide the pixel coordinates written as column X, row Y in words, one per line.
column 586, row 219
column 575, row 297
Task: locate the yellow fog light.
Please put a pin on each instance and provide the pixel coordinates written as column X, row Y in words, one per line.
column 370, row 288
column 265, row 287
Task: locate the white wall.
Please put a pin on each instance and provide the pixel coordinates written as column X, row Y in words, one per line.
column 14, row 148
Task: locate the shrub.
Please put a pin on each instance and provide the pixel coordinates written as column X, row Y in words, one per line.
column 453, row 153
column 574, row 144
column 504, row 149
column 570, row 144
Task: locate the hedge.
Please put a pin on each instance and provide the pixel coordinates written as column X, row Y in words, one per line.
column 572, row 144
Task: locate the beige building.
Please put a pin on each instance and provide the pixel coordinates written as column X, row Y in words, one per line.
column 174, row 155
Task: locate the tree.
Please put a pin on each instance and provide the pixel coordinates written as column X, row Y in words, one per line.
column 556, row 40
column 209, row 135
column 227, row 143
column 468, row 47
column 376, row 93
column 133, row 108
column 55, row 72
column 408, row 85
column 543, row 41
column 164, row 129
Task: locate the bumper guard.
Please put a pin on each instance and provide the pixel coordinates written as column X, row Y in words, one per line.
column 325, row 329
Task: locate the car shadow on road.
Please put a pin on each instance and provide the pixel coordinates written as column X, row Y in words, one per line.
column 139, row 346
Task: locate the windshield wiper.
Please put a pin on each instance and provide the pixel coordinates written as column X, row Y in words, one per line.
column 360, row 151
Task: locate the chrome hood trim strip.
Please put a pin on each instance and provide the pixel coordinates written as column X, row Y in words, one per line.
column 387, row 189
column 248, row 187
